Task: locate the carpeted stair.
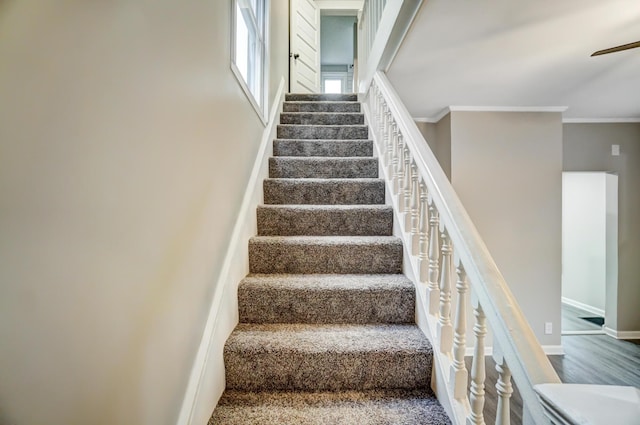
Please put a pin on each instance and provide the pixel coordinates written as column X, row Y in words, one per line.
column 327, row 332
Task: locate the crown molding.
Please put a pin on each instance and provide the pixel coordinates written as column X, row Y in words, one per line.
column 599, row 120
column 456, row 108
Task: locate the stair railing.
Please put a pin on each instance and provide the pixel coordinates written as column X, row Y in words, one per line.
column 454, row 268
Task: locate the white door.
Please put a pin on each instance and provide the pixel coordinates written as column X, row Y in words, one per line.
column 304, row 53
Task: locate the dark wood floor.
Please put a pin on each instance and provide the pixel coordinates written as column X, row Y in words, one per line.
column 571, row 319
column 588, row 359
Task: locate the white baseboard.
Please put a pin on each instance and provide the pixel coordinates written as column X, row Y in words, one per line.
column 206, row 381
column 590, row 332
column 553, row 350
column 621, row 334
column 549, row 350
column 583, row 306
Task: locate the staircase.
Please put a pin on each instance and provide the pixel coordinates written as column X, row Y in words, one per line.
column 327, row 332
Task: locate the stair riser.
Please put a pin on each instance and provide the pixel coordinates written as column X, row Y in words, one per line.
column 316, row 97
column 326, row 222
column 323, row 148
column 322, row 118
column 291, row 131
column 284, row 191
column 322, row 168
column 321, row 107
column 326, row 371
column 281, row 257
column 276, row 305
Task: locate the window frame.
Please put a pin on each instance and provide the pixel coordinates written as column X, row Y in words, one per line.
column 260, row 23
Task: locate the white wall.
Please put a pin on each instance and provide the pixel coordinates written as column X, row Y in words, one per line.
column 126, row 145
column 506, row 168
column 584, row 236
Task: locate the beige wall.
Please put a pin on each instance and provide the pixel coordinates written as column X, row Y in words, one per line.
column 587, row 147
column 438, row 136
column 126, row 145
column 507, row 170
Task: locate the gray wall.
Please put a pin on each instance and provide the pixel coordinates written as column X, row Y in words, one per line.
column 587, row 147
column 438, row 136
column 507, row 169
column 336, row 40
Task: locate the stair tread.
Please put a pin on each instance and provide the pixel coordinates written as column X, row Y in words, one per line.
column 318, row 338
column 320, row 101
column 327, row 240
column 329, row 282
column 313, row 97
column 325, row 181
column 376, row 407
column 322, row 113
column 323, row 167
column 308, row 207
column 323, row 140
column 324, row 125
column 324, row 220
column 313, row 159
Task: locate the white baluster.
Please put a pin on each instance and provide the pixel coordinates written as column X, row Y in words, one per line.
column 383, row 114
column 445, row 329
column 478, row 374
column 375, row 98
column 386, row 125
column 458, row 368
column 414, row 221
column 389, row 127
column 503, row 388
column 388, row 148
column 379, row 112
column 391, row 151
column 433, row 289
column 406, row 188
column 399, row 174
column 423, row 259
column 396, row 161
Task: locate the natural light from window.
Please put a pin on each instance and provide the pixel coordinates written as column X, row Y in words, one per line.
column 333, row 86
column 249, row 48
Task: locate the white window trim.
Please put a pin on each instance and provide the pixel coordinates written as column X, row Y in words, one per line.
column 261, row 111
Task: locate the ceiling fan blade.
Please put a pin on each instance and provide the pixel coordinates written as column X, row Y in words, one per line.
column 617, row 49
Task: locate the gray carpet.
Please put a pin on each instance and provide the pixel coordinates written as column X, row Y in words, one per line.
column 327, row 332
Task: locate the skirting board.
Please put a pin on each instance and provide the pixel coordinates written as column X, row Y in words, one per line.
column 621, row 334
column 206, row 381
column 549, row 350
column 582, row 306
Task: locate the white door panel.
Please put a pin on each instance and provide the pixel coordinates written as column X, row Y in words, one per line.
column 305, row 47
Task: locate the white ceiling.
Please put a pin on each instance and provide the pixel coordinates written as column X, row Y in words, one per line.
column 521, row 53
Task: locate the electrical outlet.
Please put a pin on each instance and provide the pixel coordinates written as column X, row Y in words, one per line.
column 615, row 150
column 548, row 328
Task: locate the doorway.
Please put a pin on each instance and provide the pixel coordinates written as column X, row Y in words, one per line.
column 337, row 51
column 323, row 45
column 589, row 251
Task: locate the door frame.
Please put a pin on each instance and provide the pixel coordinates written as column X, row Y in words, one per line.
column 338, row 7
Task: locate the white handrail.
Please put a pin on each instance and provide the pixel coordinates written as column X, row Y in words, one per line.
column 511, row 332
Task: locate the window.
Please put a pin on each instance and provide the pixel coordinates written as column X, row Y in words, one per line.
column 332, row 86
column 248, row 50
